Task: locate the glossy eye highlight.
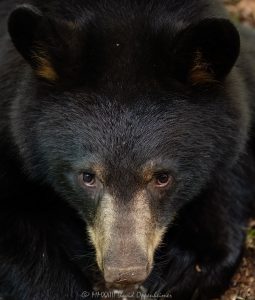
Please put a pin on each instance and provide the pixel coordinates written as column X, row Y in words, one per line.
column 163, row 180
column 87, row 179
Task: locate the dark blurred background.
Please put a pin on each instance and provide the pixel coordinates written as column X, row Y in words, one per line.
column 243, row 284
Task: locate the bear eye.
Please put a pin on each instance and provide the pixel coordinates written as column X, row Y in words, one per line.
column 89, row 179
column 163, row 180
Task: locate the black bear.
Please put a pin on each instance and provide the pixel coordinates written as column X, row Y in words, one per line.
column 126, row 148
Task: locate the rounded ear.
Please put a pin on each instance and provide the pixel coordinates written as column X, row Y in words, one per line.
column 23, row 25
column 54, row 48
column 29, row 29
column 206, row 52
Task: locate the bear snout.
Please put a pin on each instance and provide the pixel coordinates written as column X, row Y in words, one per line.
column 125, row 276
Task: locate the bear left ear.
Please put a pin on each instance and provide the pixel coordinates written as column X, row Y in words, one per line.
column 205, row 53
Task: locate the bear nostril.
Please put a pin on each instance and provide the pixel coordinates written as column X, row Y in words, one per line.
column 129, row 275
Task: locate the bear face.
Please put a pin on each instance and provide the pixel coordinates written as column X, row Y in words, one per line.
column 125, row 135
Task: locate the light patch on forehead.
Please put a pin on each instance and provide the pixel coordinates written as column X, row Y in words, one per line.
column 100, row 233
column 100, row 172
column 148, row 172
column 156, row 165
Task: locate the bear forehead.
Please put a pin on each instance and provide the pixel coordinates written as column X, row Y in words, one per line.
column 81, row 10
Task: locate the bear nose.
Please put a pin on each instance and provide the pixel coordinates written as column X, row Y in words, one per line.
column 125, row 276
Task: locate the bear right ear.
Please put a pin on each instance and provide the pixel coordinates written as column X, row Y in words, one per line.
column 28, row 29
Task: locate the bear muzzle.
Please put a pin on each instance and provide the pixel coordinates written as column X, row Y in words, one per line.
column 125, row 277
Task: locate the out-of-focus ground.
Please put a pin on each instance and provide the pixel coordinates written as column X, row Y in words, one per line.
column 242, row 10
column 243, row 284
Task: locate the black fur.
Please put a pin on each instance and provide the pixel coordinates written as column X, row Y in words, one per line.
column 123, row 96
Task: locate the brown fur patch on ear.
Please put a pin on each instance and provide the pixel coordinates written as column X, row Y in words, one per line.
column 201, row 72
column 72, row 25
column 44, row 67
